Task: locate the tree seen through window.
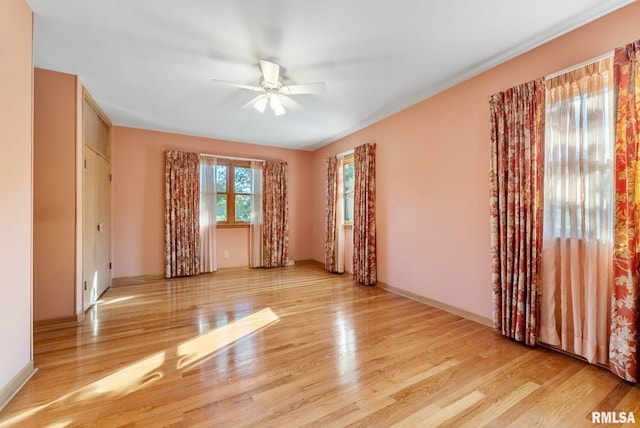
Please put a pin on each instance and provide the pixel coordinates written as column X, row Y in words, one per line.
column 348, row 175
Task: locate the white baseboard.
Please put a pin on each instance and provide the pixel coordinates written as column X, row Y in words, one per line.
column 16, row 384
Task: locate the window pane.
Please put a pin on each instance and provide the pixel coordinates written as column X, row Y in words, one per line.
column 348, row 208
column 243, row 208
column 242, row 179
column 348, row 177
column 221, row 179
column 221, row 207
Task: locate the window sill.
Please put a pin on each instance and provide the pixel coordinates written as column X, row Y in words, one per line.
column 233, row 226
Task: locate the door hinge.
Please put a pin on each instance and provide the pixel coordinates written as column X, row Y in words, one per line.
column 85, row 285
column 110, row 177
column 109, row 265
column 85, row 164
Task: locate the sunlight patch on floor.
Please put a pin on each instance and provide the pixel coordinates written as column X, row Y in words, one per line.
column 114, row 300
column 201, row 347
column 143, row 373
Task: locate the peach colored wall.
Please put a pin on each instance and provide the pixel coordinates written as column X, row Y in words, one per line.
column 54, row 204
column 433, row 172
column 16, row 168
column 138, row 197
column 233, row 241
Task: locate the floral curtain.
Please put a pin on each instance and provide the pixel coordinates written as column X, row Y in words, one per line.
column 623, row 348
column 334, row 233
column 275, row 234
column 364, row 215
column 577, row 248
column 517, row 124
column 256, row 220
column 182, row 197
column 208, row 262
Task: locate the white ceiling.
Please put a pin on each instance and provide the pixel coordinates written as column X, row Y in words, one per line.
column 149, row 63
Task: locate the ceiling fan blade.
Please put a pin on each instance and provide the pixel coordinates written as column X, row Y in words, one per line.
column 289, row 103
column 236, row 85
column 270, row 72
column 308, row 88
column 257, row 103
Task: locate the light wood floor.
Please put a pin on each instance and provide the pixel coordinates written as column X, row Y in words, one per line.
column 210, row 352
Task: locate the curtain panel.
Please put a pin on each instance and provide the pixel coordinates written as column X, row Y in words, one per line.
column 517, row 124
column 364, row 215
column 256, row 220
column 208, row 262
column 182, row 230
column 331, row 227
column 623, row 348
column 275, row 234
column 577, row 249
column 334, row 233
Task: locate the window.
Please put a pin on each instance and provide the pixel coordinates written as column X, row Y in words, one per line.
column 579, row 150
column 233, row 193
column 348, row 186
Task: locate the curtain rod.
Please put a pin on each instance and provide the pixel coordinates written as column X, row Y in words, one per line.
column 575, row 67
column 232, row 157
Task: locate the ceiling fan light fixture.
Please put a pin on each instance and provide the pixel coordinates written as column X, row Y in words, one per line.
column 276, row 105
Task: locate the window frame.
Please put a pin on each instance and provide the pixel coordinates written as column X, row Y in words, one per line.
column 231, row 193
column 348, row 159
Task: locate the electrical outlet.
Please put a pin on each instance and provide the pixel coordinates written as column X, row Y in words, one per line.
column 226, row 254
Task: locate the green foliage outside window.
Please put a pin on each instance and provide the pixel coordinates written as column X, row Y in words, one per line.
column 348, row 172
column 221, row 208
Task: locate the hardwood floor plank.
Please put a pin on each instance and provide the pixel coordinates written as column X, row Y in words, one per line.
column 630, row 403
column 484, row 417
column 567, row 404
column 434, row 419
column 420, row 418
column 184, row 353
column 366, row 398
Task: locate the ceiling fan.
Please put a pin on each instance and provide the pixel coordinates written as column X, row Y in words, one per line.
column 273, row 90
